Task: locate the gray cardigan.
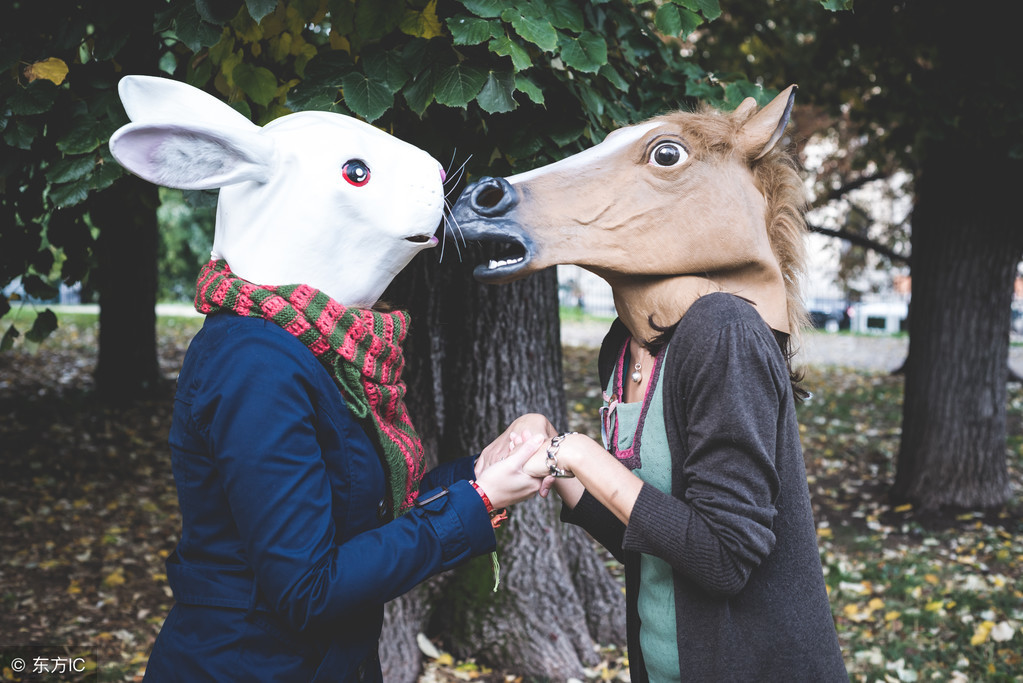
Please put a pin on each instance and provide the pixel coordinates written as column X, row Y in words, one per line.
column 737, row 528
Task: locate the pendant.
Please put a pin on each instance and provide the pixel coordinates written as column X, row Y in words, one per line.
column 637, row 376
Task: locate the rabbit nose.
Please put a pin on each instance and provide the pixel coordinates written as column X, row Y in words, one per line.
column 443, row 175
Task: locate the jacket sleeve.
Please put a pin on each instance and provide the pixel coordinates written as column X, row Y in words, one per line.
column 722, row 417
column 447, row 473
column 263, row 436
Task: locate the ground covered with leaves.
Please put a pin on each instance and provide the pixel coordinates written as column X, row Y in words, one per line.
column 90, row 513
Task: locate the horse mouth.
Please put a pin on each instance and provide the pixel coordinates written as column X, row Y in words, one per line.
column 509, row 259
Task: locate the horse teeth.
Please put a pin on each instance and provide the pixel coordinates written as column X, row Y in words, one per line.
column 498, row 264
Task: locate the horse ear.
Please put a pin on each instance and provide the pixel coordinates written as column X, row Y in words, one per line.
column 193, row 157
column 761, row 133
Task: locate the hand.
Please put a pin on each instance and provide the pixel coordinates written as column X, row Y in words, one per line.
column 499, row 448
column 506, row 482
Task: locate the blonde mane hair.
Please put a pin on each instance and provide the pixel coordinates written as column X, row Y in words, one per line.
column 713, row 133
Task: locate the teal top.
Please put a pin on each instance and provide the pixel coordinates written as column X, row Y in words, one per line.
column 632, row 425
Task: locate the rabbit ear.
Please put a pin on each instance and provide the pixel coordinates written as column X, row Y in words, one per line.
column 183, row 137
column 149, row 99
column 193, row 157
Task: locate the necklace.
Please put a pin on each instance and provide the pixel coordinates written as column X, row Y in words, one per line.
column 637, row 374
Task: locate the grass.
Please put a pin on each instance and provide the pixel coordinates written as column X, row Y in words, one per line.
column 914, row 598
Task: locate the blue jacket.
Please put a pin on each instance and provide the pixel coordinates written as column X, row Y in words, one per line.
column 288, row 551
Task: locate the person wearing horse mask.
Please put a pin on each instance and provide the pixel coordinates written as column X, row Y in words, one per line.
column 699, row 489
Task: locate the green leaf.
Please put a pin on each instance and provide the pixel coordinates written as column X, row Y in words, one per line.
column 467, row 30
column 837, row 5
column 586, row 53
column 70, row 168
column 85, row 136
column 419, row 94
column 44, row 325
column 386, row 68
column 496, row 95
column 488, row 9
column 614, row 78
column 258, row 82
column 367, row 98
column 260, row 8
column 63, row 195
column 711, row 8
column 533, row 27
column 9, row 336
column 35, row 98
column 216, row 11
column 342, row 16
column 375, row 19
column 319, row 90
column 531, row 89
column 193, row 31
column 506, row 47
column 36, row 288
column 457, row 85
column 107, row 171
column 20, row 134
column 675, row 21
column 565, row 14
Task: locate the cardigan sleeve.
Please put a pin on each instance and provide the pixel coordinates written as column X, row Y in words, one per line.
column 722, row 409
column 263, row 434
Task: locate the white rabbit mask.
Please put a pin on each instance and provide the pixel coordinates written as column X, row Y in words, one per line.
column 313, row 197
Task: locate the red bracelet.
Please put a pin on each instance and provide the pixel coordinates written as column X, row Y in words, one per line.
column 496, row 516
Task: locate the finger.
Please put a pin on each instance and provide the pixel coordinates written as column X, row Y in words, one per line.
column 523, row 453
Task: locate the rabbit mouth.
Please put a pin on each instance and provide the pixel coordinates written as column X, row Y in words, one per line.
column 422, row 239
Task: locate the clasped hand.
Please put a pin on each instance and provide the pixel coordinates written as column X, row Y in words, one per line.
column 511, row 468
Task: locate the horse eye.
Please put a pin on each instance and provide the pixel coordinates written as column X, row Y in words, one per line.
column 668, row 154
column 356, row 172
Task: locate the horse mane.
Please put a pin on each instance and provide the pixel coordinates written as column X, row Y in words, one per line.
column 712, row 133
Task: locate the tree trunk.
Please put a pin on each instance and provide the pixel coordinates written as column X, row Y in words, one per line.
column 126, row 217
column 126, row 250
column 966, row 245
column 480, row 356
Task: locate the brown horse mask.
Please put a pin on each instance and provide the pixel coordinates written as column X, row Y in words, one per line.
column 665, row 211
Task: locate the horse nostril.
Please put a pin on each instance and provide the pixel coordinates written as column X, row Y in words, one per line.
column 489, row 197
column 492, row 197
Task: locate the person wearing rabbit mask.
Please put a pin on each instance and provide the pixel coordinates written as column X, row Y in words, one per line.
column 305, row 504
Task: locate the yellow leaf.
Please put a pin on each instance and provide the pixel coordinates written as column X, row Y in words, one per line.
column 934, row 605
column 892, row 616
column 875, row 604
column 50, row 69
column 424, row 24
column 981, row 634
column 904, row 508
column 74, row 588
column 445, row 659
column 931, row 579
column 824, row 533
column 114, row 578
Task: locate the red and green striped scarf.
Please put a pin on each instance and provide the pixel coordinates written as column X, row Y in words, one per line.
column 360, row 348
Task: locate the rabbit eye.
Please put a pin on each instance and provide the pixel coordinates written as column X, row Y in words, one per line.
column 356, row 172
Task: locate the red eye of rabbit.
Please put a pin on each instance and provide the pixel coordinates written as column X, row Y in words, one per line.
column 356, row 172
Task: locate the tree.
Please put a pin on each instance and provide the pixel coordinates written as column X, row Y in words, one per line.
column 931, row 97
column 58, row 178
column 517, row 83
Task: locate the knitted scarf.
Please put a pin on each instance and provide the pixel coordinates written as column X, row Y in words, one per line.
column 360, row 348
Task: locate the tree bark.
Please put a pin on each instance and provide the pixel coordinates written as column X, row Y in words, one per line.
column 126, row 252
column 966, row 245
column 126, row 249
column 480, row 356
